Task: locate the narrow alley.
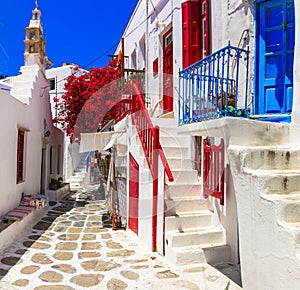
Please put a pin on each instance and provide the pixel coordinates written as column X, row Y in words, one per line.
column 74, row 247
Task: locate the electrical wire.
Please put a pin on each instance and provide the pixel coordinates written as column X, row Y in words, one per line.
column 115, row 45
column 94, row 60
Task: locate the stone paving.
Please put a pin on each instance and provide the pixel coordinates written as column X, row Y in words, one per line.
column 73, row 247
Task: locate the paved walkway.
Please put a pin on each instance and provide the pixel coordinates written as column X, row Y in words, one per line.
column 72, row 247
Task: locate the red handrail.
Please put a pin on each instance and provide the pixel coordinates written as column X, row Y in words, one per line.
column 147, row 133
column 119, row 111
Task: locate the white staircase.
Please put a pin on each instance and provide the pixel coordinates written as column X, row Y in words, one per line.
column 77, row 179
column 24, row 84
column 192, row 234
column 269, row 182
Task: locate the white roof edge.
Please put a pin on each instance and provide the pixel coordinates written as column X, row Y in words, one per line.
column 128, row 23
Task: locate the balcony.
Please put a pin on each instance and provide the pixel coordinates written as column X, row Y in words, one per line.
column 215, row 87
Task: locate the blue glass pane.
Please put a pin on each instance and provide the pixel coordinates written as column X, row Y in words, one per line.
column 274, row 40
column 273, row 66
column 290, row 12
column 274, row 16
column 289, row 99
column 273, row 99
column 289, row 64
column 290, row 38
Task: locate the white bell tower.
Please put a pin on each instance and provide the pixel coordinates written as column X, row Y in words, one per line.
column 35, row 43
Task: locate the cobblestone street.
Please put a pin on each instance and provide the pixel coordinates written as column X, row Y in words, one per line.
column 73, row 247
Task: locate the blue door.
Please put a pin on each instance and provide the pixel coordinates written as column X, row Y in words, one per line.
column 275, row 41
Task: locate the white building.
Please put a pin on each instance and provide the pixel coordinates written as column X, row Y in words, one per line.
column 57, row 77
column 254, row 221
column 31, row 147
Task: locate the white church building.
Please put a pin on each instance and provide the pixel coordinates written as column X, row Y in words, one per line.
column 31, row 147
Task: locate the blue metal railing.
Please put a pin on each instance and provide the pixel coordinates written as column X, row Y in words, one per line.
column 215, row 86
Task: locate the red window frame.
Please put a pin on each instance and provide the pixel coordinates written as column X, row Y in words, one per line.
column 196, row 31
column 205, row 27
column 155, row 66
column 20, row 155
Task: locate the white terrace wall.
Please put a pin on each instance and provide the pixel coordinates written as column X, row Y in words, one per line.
column 33, row 116
column 71, row 155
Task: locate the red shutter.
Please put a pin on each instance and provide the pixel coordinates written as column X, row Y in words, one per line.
column 196, row 35
column 191, row 51
column 185, row 34
column 20, row 155
column 206, row 28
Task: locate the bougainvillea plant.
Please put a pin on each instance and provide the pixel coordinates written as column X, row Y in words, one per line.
column 96, row 84
column 93, row 98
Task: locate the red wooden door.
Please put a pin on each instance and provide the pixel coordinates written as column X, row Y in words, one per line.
column 168, row 72
column 133, row 221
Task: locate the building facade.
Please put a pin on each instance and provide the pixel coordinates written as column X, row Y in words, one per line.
column 224, row 73
column 57, row 78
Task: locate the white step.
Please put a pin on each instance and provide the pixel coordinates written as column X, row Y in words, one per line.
column 174, row 141
column 185, row 206
column 195, row 237
column 175, row 163
column 197, row 254
column 75, row 186
column 179, row 152
column 177, row 190
column 179, row 163
column 183, row 222
column 75, row 179
column 169, row 131
column 170, row 152
column 268, row 157
column 277, row 181
column 80, row 168
column 289, row 210
column 185, row 255
column 185, row 175
column 79, row 174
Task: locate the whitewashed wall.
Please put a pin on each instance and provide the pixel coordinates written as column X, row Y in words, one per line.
column 166, row 14
column 229, row 19
column 33, row 115
column 71, row 155
column 134, row 38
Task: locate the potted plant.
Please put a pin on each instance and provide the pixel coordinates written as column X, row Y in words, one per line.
column 53, row 184
column 59, row 182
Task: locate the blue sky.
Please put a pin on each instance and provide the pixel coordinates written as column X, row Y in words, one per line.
column 76, row 31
